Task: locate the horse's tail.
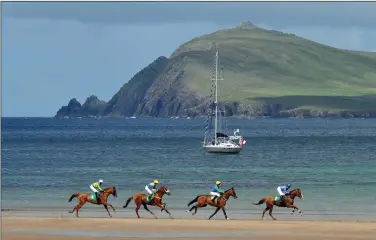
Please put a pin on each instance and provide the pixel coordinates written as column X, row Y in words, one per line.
column 193, row 201
column 260, row 202
column 128, row 201
column 73, row 196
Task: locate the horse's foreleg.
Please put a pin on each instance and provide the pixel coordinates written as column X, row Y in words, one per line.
column 108, row 204
column 163, row 208
column 293, row 209
column 224, row 212
column 168, row 213
column 147, row 209
column 215, row 212
column 105, row 206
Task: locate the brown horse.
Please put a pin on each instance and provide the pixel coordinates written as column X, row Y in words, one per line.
column 288, row 202
column 86, row 197
column 140, row 199
column 204, row 200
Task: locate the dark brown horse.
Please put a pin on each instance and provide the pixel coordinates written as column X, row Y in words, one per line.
column 140, row 199
column 288, row 202
column 86, row 197
column 204, row 200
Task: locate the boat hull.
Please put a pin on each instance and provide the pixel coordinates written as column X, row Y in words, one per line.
column 222, row 149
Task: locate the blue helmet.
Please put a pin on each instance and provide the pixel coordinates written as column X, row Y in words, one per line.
column 289, row 185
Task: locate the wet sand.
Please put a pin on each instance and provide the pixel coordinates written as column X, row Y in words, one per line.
column 41, row 228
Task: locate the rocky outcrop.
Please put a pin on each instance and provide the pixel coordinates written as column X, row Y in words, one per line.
column 73, row 109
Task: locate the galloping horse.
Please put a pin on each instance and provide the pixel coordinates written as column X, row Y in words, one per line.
column 140, row 199
column 204, row 200
column 288, row 202
column 86, row 197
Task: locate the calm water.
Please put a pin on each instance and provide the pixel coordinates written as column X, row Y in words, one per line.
column 333, row 161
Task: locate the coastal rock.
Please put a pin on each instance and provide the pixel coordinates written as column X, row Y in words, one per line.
column 72, row 109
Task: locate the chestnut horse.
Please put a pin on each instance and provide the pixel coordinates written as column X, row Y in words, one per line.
column 204, row 200
column 86, row 197
column 288, row 202
column 140, row 199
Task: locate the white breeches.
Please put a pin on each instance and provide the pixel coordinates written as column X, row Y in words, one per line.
column 215, row 194
column 280, row 191
column 93, row 189
column 148, row 190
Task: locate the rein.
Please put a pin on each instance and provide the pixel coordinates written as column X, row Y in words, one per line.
column 225, row 195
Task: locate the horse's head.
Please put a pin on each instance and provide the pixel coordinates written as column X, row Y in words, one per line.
column 231, row 192
column 296, row 193
column 164, row 190
column 111, row 190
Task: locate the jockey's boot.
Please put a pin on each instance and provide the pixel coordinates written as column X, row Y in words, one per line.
column 282, row 200
column 215, row 201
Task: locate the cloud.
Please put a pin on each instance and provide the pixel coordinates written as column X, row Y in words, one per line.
column 282, row 15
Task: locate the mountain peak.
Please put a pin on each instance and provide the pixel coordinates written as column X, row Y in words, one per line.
column 247, row 26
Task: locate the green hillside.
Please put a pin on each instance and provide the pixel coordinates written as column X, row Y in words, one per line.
column 266, row 66
column 266, row 73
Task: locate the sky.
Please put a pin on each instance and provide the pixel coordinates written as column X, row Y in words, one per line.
column 55, row 51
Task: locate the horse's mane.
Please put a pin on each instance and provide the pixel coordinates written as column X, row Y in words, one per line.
column 296, row 189
column 229, row 189
column 162, row 187
column 107, row 188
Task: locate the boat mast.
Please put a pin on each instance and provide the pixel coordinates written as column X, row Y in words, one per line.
column 216, row 95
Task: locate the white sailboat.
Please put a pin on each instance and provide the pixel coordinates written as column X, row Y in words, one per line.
column 220, row 142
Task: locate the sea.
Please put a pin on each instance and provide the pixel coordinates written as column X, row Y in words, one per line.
column 45, row 160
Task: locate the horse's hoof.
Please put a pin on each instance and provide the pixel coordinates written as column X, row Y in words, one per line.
column 228, row 219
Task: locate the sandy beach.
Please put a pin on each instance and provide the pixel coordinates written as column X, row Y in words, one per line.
column 41, row 228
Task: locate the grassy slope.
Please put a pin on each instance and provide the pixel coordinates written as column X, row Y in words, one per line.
column 272, row 67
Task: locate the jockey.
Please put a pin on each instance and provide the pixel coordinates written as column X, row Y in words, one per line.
column 216, row 191
column 282, row 190
column 96, row 187
column 150, row 188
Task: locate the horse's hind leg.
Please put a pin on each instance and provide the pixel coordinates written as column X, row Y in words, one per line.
column 147, row 209
column 195, row 206
column 75, row 207
column 263, row 212
column 78, row 206
column 270, row 213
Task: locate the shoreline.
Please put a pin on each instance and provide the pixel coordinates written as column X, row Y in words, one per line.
column 241, row 215
column 22, row 228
